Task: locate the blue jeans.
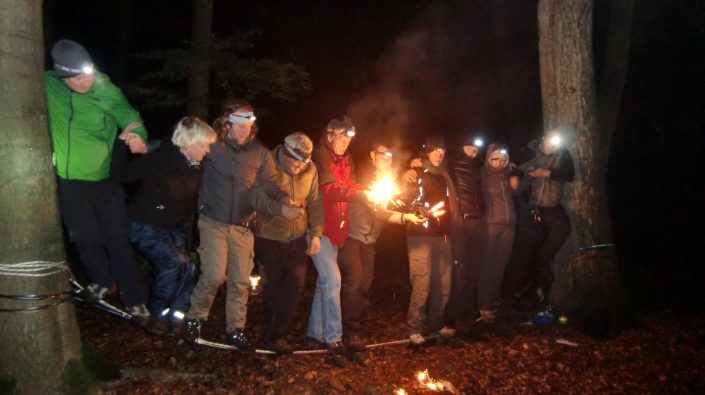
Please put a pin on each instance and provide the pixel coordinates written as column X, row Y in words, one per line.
column 173, row 274
column 325, row 324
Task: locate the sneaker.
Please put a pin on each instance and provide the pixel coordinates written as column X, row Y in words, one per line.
column 93, row 293
column 336, row 348
column 140, row 315
column 240, row 341
column 447, row 332
column 280, row 346
column 487, row 316
column 416, row 339
column 191, row 329
column 355, row 343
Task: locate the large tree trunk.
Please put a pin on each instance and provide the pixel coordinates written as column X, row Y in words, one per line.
column 38, row 334
column 583, row 280
column 199, row 74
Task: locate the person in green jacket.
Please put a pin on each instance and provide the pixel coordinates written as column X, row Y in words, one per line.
column 85, row 111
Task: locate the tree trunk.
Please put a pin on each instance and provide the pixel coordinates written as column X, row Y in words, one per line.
column 199, row 74
column 568, row 93
column 38, row 335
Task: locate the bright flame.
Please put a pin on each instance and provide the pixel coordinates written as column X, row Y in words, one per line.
column 382, row 191
column 254, row 282
column 426, row 381
column 400, row 391
column 422, row 376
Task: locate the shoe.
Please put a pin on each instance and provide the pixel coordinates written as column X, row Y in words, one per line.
column 417, row 339
column 280, row 346
column 191, row 329
column 93, row 293
column 447, row 332
column 140, row 315
column 240, row 341
column 355, row 343
column 488, row 316
column 336, row 348
column 157, row 326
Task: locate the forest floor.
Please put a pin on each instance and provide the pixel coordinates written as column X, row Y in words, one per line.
column 660, row 352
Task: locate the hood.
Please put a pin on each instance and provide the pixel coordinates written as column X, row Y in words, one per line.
column 492, row 147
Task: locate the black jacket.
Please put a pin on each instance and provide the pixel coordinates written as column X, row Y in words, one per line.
column 169, row 190
column 467, row 176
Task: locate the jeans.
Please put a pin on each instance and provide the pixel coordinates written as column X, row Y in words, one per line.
column 357, row 266
column 227, row 251
column 430, row 267
column 96, row 218
column 325, row 321
column 468, row 243
column 283, row 271
column 174, row 274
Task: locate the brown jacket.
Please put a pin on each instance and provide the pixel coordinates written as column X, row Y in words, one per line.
column 303, row 189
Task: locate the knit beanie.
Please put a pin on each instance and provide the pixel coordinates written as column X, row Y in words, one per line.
column 70, row 59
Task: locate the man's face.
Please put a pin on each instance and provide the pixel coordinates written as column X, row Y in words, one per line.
column 80, row 83
column 197, row 151
column 240, row 131
column 470, row 151
column 436, row 156
column 550, row 139
column 339, row 142
column 499, row 160
column 381, row 158
column 293, row 166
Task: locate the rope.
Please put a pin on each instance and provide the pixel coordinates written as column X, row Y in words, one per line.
column 30, row 269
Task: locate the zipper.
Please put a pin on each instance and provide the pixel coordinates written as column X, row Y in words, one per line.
column 68, row 134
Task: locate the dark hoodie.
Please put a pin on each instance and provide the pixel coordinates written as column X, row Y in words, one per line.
column 496, row 190
column 548, row 192
column 434, row 185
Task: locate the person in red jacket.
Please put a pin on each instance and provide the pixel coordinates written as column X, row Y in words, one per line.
column 336, row 175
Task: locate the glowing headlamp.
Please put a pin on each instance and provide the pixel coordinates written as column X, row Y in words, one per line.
column 478, row 143
column 87, row 69
column 503, row 151
column 241, row 117
column 297, row 154
column 386, row 154
column 555, row 140
column 350, row 132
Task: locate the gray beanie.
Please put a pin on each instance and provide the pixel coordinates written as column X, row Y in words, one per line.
column 70, row 59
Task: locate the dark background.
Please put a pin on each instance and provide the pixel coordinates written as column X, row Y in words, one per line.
column 406, row 69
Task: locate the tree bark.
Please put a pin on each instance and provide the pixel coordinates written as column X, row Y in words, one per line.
column 569, row 103
column 199, row 74
column 30, row 227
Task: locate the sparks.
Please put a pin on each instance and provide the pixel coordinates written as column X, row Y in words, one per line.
column 254, row 282
column 382, row 191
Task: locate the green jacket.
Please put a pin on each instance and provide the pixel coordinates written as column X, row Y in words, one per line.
column 84, row 126
column 303, row 189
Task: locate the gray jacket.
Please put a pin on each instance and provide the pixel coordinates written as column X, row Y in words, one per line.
column 229, row 173
column 499, row 206
column 548, row 192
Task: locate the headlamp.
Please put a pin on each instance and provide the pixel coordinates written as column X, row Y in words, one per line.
column 478, row 143
column 87, row 69
column 503, row 151
column 296, row 154
column 386, row 154
column 350, row 132
column 555, row 140
column 241, row 117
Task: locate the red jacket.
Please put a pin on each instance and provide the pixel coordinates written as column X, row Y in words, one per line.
column 336, row 175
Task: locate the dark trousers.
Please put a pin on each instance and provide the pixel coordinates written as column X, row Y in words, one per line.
column 174, row 275
column 518, row 276
column 94, row 214
column 283, row 273
column 468, row 242
column 556, row 230
column 356, row 261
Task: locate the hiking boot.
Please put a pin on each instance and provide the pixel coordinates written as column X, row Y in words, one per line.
column 487, row 316
column 355, row 343
column 447, row 332
column 191, row 329
column 93, row 293
column 417, row 339
column 336, row 348
column 157, row 326
column 240, row 341
column 280, row 346
column 140, row 315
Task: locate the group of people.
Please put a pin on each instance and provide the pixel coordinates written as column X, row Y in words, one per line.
column 465, row 217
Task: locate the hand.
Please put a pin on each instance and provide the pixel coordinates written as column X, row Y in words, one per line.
column 136, row 143
column 414, row 219
column 314, row 246
column 416, row 162
column 540, row 173
column 409, row 176
column 292, row 212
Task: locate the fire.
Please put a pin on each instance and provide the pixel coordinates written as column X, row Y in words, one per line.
column 425, row 380
column 382, row 191
column 400, row 391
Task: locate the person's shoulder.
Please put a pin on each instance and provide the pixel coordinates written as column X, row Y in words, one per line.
column 52, row 81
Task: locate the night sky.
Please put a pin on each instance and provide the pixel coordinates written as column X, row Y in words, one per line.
column 406, row 69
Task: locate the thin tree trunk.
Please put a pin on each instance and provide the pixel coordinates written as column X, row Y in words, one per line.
column 199, row 75
column 569, row 102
